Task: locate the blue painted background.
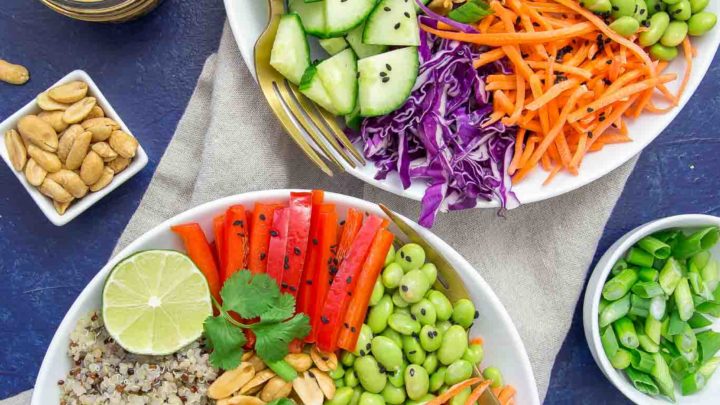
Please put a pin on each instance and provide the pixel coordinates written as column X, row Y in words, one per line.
column 147, row 69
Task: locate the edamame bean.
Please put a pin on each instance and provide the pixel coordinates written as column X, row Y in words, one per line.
column 431, row 363
column 397, row 378
column 463, row 312
column 494, row 375
column 697, row 6
column 417, row 381
column 393, row 395
column 670, row 2
column 391, row 275
column 343, row 395
column 356, row 396
column 387, row 353
column 461, row 397
column 674, row 33
column 641, row 11
column 459, row 370
column 430, row 338
column 336, row 374
column 424, row 312
column 422, row 401
column 453, row 345
column 351, row 379
column 369, row 374
column 653, row 6
column 363, row 345
column 658, row 24
column 622, row 8
column 430, row 271
column 347, row 359
column 403, row 324
column 662, row 52
column 680, row 11
column 390, row 256
column 377, row 293
column 378, row 315
column 442, row 327
column 474, row 353
column 413, row 286
column 597, row 6
column 443, row 307
column 437, row 379
column 339, row 383
column 625, row 26
column 413, row 350
column 398, row 301
column 701, row 23
column 410, row 256
column 368, row 398
column 391, row 334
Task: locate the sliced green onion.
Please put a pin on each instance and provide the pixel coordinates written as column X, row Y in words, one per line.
column 697, row 242
column 655, row 247
column 684, row 300
column 658, row 306
column 647, row 344
column 653, row 329
column 619, row 285
column 283, row 369
column 639, row 306
column 670, row 276
column 664, row 329
column 676, row 325
column 647, row 289
column 687, row 344
column 642, row 382
column 692, row 383
column 642, row 361
column 609, row 342
column 603, row 304
column 648, row 274
column 708, row 368
column 471, row 12
column 615, row 311
column 619, row 266
column 625, row 332
column 698, row 321
column 662, row 377
column 709, row 308
column 709, row 342
column 621, row 360
column 700, row 260
column 711, row 275
column 667, row 235
column 679, row 366
column 639, row 257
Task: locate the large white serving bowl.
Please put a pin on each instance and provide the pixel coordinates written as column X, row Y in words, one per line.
column 248, row 18
column 710, row 394
column 503, row 347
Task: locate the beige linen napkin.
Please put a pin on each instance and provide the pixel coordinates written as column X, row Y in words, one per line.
column 229, row 142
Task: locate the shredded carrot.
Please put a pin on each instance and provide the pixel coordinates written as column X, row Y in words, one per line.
column 488, row 57
column 513, row 38
column 477, row 392
column 477, row 341
column 452, row 391
column 506, row 394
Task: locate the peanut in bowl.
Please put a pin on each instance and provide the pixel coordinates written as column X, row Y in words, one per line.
column 69, row 148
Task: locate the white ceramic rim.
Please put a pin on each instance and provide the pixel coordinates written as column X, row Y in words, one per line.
column 80, row 205
column 464, row 269
column 592, row 298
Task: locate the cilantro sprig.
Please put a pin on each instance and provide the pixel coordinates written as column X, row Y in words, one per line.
column 253, row 296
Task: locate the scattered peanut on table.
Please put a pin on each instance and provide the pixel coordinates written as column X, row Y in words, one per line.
column 70, row 148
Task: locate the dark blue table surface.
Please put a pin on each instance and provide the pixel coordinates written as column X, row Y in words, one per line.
column 147, row 69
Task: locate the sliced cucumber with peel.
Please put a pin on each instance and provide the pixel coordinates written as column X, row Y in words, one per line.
column 392, row 22
column 362, row 50
column 339, row 77
column 333, row 45
column 290, row 54
column 354, row 120
column 312, row 15
column 386, row 80
column 343, row 15
column 312, row 88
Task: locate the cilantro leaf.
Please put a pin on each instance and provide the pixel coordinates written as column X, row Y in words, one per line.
column 273, row 338
column 250, row 296
column 226, row 340
column 280, row 310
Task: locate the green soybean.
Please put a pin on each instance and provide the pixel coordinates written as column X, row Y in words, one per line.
column 377, row 293
column 391, row 334
column 368, row 373
column 343, row 395
column 430, row 271
column 474, row 353
column 417, row 381
column 697, row 6
column 387, row 353
column 424, row 312
column 463, row 312
column 442, row 327
column 662, row 52
column 397, row 378
column 453, row 345
column 368, row 398
column 422, row 400
column 351, row 379
column 494, row 375
column 443, row 307
column 390, row 258
column 365, row 336
column 658, row 24
column 680, row 11
column 393, row 395
column 671, row 2
column 625, row 26
column 597, row 6
column 622, row 8
column 391, row 275
column 437, row 379
column 339, row 383
column 430, row 338
column 461, row 397
column 654, row 6
column 356, row 396
column 337, row 374
column 379, row 314
column 403, row 324
column 413, row 350
column 410, row 256
column 641, row 11
column 459, row 370
column 398, row 300
column 701, row 23
column 405, row 311
column 674, row 34
column 347, row 359
column 431, row 363
column 413, row 286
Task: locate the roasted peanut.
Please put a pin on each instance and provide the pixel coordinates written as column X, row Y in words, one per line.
column 118, row 164
column 46, row 160
column 276, row 388
column 299, row 361
column 256, row 361
column 104, row 150
column 326, row 384
column 55, row 119
column 258, row 380
column 66, row 141
column 69, row 93
column 323, row 361
column 70, row 181
column 101, row 128
column 46, row 103
column 61, row 207
column 34, row 173
column 246, row 356
column 78, row 151
column 231, row 381
column 91, row 168
column 96, row 112
column 241, row 400
column 16, row 149
column 12, row 73
column 308, row 390
column 105, row 179
column 125, row 145
column 55, row 191
column 79, row 110
column 38, row 132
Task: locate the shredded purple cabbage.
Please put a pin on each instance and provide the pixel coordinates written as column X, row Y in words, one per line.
column 447, row 20
column 437, row 135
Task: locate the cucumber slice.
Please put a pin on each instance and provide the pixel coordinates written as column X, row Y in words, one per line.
column 312, row 16
column 354, row 38
column 344, row 15
column 339, row 76
column 386, row 80
column 392, row 22
column 354, row 120
column 312, row 88
column 290, row 54
column 333, row 45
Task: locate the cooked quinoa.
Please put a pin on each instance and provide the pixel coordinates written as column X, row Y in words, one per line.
column 104, row 373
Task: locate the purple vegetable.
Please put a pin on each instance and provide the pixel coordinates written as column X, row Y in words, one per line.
column 437, row 135
column 447, row 20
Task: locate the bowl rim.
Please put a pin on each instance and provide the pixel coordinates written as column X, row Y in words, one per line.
column 594, row 291
column 463, row 267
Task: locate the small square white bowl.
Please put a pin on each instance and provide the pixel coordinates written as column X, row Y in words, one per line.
column 78, row 206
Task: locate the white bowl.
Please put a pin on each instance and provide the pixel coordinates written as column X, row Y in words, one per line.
column 503, row 347
column 711, row 392
column 80, row 205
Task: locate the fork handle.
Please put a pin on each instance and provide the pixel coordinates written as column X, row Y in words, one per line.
column 277, row 7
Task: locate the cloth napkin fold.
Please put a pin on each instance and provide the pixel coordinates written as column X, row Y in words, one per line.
column 228, row 142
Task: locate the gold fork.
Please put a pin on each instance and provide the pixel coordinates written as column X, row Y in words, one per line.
column 296, row 113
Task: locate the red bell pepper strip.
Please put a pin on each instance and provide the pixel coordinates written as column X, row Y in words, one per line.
column 296, row 249
column 198, row 248
column 358, row 307
column 341, row 291
column 260, row 236
column 304, row 299
column 278, row 241
column 219, row 231
column 236, row 243
column 321, row 279
column 350, row 228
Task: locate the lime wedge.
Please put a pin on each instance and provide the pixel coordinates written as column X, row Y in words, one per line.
column 155, row 302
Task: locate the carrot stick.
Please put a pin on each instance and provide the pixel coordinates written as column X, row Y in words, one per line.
column 506, row 394
column 514, row 38
column 219, row 232
column 236, row 245
column 519, row 139
column 198, row 248
column 488, row 57
column 477, row 341
column 477, row 392
column 551, row 94
column 452, row 391
column 353, row 221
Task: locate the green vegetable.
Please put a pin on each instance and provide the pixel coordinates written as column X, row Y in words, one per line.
column 687, row 344
column 655, row 247
column 470, row 12
column 431, row 363
column 625, row 332
column 692, row 383
column 654, row 6
column 351, row 378
column 647, row 344
column 701, row 23
column 453, row 345
column 711, row 275
column 710, row 308
column 642, row 382
column 647, row 289
column 377, row 293
column 662, row 377
column 698, row 321
column 680, row 11
column 615, row 311
column 647, row 274
column 413, row 286
column 639, row 257
column 493, row 374
column 697, row 6
column 390, row 258
column 393, row 395
column 387, row 353
column 378, row 315
column 639, row 306
column 413, row 350
column 430, row 338
column 676, row 325
column 430, row 271
column 443, row 307
column 475, row 353
column 391, row 275
column 459, row 370
column 410, row 257
column 424, row 312
column 664, row 53
column 417, row 381
column 619, row 285
column 368, row 373
column 364, row 341
column 283, row 369
column 437, row 379
column 621, row 360
column 343, row 395
column 683, row 300
column 653, row 329
column 403, row 324
column 252, row 296
column 464, row 312
column 625, row 26
column 657, row 307
column 699, row 241
column 642, row 361
column 619, row 266
column 709, row 343
column 347, row 359
column 609, row 342
column 368, row 398
column 622, row 8
column 670, row 276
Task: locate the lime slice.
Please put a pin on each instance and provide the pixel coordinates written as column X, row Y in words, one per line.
column 155, row 302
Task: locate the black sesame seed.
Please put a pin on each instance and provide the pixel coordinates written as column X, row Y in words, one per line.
column 397, row 26
column 348, row 280
column 297, row 251
column 292, row 288
column 274, row 233
column 362, row 352
column 412, row 352
column 408, row 259
column 412, row 370
column 387, row 8
column 406, row 14
column 342, row 222
column 353, row 329
column 404, row 288
column 388, row 67
column 402, row 254
column 238, row 223
column 477, row 315
column 414, row 318
column 284, row 285
column 383, row 74
column 385, row 79
column 423, row 311
column 315, row 241
column 263, row 256
column 324, row 319
column 308, row 282
column 262, row 217
column 368, row 346
column 590, row 109
column 430, row 334
column 346, row 325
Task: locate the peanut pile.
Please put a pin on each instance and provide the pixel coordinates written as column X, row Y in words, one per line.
column 70, row 148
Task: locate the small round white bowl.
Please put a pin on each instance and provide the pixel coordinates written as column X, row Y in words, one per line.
column 503, row 346
column 710, row 394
